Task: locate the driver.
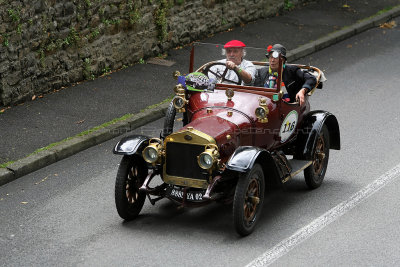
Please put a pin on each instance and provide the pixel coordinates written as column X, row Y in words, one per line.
column 235, row 52
column 298, row 82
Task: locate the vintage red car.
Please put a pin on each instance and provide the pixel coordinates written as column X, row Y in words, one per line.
column 235, row 142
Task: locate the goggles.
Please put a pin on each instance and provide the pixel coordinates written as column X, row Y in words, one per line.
column 274, row 54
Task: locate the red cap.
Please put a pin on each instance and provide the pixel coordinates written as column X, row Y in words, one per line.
column 234, row 43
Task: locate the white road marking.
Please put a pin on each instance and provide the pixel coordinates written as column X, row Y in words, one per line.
column 324, row 220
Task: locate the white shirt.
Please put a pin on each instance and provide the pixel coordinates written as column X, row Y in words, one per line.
column 231, row 75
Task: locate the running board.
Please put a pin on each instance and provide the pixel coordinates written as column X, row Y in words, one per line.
column 297, row 167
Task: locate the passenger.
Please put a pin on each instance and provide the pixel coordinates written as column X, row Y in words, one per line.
column 235, row 52
column 297, row 82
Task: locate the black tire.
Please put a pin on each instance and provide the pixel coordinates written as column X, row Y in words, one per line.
column 248, row 200
column 315, row 173
column 169, row 120
column 131, row 174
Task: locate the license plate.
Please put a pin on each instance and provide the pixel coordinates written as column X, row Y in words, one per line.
column 177, row 192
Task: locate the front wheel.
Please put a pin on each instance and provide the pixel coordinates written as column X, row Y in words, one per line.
column 315, row 173
column 131, row 174
column 248, row 200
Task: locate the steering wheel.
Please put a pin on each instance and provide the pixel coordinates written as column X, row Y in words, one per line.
column 221, row 77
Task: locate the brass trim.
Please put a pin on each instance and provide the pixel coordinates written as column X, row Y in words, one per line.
column 263, row 105
column 229, row 93
column 156, row 144
column 198, row 138
column 176, row 74
column 180, row 94
column 212, row 151
column 178, row 88
column 182, row 181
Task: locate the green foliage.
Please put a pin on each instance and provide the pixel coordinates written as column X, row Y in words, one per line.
column 73, row 37
column 167, row 100
column 19, row 28
column 134, row 16
column 108, row 22
column 41, row 57
column 14, row 15
column 288, row 5
column 106, row 70
column 161, row 19
column 15, row 18
column 384, row 10
column 133, row 13
column 4, row 165
column 5, row 40
column 51, row 46
column 87, row 70
column 94, row 33
column 101, row 11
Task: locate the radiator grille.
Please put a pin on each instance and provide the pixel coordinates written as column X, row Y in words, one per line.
column 181, row 160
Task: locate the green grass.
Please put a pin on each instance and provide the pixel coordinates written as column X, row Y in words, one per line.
column 4, row 165
column 158, row 104
column 380, row 12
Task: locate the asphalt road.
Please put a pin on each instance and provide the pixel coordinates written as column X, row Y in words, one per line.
column 64, row 214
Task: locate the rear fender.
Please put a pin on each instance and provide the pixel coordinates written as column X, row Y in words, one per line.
column 310, row 130
column 244, row 158
column 130, row 145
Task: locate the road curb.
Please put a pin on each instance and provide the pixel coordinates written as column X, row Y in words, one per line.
column 79, row 143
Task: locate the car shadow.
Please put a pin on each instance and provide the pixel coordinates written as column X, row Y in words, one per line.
column 281, row 204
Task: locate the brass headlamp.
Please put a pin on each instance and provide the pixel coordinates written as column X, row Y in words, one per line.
column 179, row 100
column 209, row 157
column 262, row 111
column 153, row 152
column 229, row 93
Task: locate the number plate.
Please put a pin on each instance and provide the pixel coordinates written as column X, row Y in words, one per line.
column 191, row 195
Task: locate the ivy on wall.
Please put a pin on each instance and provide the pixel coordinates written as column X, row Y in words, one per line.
column 160, row 19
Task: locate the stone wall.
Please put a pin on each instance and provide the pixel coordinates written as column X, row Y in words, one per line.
column 48, row 44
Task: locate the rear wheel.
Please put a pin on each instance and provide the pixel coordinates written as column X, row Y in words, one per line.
column 248, row 200
column 131, row 174
column 315, row 173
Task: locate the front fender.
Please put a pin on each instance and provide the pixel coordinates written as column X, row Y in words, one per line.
column 310, row 130
column 244, row 158
column 133, row 144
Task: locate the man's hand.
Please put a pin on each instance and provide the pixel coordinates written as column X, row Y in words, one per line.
column 244, row 75
column 230, row 65
column 300, row 96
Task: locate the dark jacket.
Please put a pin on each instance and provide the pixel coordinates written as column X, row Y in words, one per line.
column 293, row 77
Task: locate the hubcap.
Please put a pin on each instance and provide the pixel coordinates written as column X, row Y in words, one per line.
column 131, row 185
column 252, row 200
column 319, row 155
